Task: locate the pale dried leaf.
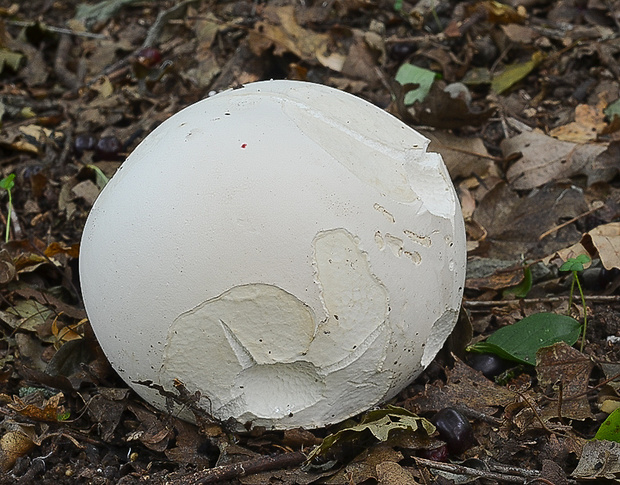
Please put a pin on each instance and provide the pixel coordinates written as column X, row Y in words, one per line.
column 545, row 159
column 606, row 239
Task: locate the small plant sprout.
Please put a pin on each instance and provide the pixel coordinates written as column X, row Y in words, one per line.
column 7, row 183
column 575, row 265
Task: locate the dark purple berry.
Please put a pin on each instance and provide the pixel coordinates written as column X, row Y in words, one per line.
column 149, row 57
column 401, row 50
column 489, row 364
column 454, row 429
column 436, row 454
column 84, row 143
column 108, row 148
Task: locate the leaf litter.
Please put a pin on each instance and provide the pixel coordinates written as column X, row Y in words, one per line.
column 522, row 100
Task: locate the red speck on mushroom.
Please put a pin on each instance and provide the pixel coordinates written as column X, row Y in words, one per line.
column 244, row 145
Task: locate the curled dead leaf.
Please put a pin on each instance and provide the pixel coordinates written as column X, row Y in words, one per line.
column 13, row 445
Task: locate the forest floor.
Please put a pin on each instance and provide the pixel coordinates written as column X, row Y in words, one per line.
column 520, row 98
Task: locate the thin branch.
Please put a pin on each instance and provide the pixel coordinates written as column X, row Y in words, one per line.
column 471, row 472
column 551, row 299
column 58, row 30
column 596, row 206
column 249, row 467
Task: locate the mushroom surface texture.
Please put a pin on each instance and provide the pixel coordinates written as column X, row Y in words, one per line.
column 290, row 251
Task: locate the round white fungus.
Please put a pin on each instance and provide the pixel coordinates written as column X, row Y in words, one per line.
column 288, row 250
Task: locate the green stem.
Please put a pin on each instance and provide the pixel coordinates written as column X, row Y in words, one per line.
column 8, row 218
column 585, row 311
column 570, row 295
column 435, row 16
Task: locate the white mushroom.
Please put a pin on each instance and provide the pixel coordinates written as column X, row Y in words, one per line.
column 287, row 249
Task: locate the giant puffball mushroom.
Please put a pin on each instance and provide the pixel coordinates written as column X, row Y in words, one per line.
column 288, row 250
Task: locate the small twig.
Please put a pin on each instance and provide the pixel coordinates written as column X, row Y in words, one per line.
column 472, row 472
column 58, row 30
column 537, row 414
column 513, row 470
column 65, row 76
column 596, row 206
column 584, row 393
column 478, row 415
column 527, row 301
column 162, row 19
column 249, row 467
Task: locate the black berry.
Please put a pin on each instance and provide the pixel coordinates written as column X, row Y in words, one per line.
column 84, row 143
column 454, row 429
column 489, row 364
column 108, row 148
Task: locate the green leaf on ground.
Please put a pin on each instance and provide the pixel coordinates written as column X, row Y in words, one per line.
column 520, row 342
column 410, row 74
column 515, row 72
column 10, row 59
column 522, row 289
column 613, row 110
column 610, row 429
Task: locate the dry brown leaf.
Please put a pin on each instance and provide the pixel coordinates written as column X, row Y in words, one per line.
column 287, row 36
column 361, row 62
column 545, row 159
column 602, row 241
column 589, row 122
column 513, row 224
column 14, row 444
column 463, row 156
column 106, row 409
column 50, row 411
column 55, row 248
column 465, row 387
column 606, row 239
column 391, row 473
column 7, row 267
column 86, row 190
column 566, row 370
column 520, row 33
column 152, row 433
column 441, row 110
column 364, row 466
column 499, row 280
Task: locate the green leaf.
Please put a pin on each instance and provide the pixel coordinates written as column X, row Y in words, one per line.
column 410, row 74
column 515, row 72
column 610, row 429
column 379, row 423
column 100, row 177
column 101, row 11
column 8, row 182
column 613, row 110
column 520, row 341
column 575, row 264
column 522, row 289
column 10, row 59
column 64, row 416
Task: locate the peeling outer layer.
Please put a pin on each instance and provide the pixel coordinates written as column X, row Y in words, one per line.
column 288, row 250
